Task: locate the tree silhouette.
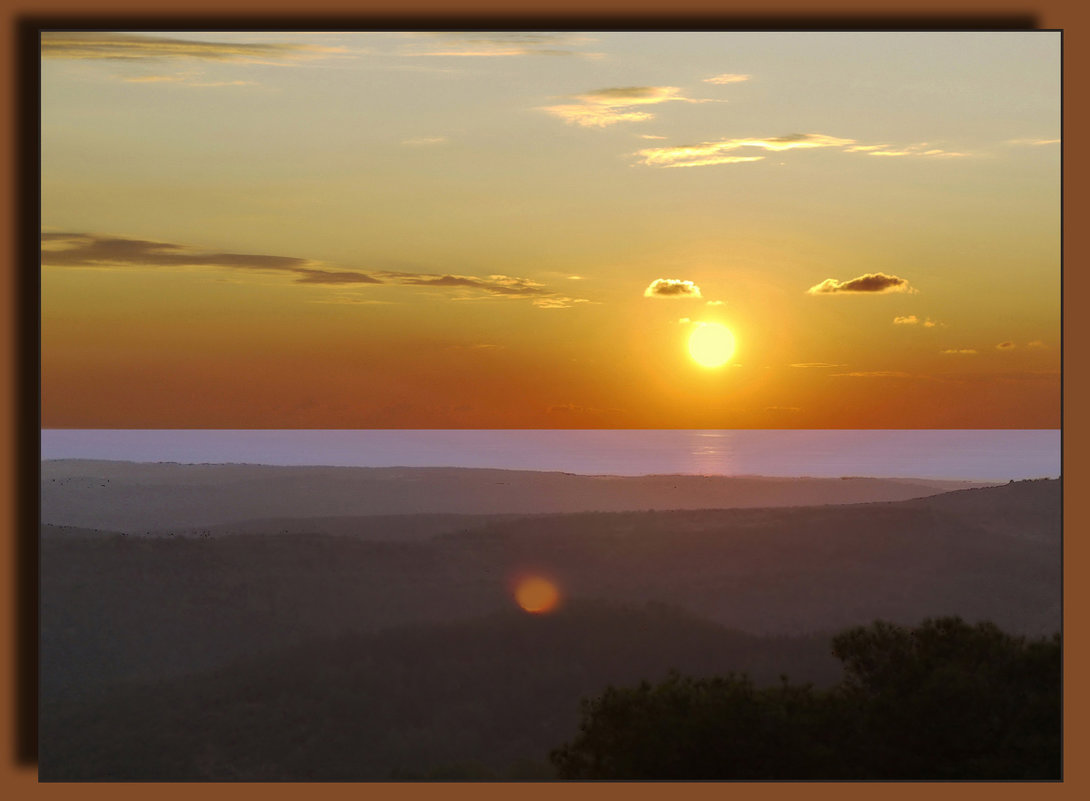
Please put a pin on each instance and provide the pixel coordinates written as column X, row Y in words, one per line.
column 951, row 700
column 944, row 700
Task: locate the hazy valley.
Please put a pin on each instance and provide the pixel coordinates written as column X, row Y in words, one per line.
column 391, row 631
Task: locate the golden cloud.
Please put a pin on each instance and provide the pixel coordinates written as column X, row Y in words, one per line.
column 605, row 107
column 721, row 152
column 727, row 77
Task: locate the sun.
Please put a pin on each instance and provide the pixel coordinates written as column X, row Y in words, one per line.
column 711, row 344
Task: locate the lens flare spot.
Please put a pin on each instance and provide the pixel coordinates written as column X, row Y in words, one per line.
column 537, row 595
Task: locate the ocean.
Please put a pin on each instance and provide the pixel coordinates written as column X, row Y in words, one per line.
column 953, row 454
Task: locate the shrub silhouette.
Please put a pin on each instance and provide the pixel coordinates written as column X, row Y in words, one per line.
column 944, row 700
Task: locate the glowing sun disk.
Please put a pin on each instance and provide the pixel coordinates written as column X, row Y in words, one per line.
column 711, row 344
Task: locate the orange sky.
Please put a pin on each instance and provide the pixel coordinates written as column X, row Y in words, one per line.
column 523, row 230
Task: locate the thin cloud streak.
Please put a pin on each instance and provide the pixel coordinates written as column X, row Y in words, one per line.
column 557, row 302
column 140, row 47
column 727, row 77
column 912, row 319
column 184, row 80
column 604, row 107
column 89, row 251
column 921, row 149
column 705, row 154
column 721, row 152
column 500, row 44
column 873, row 374
column 493, row 284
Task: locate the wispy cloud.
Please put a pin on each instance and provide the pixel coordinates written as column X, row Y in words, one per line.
column 959, row 351
column 80, row 250
column 183, row 79
column 498, row 44
column 90, row 250
column 333, row 277
column 1034, row 142
column 722, row 152
column 348, row 300
column 671, row 288
column 727, row 77
column 816, row 364
column 557, row 302
column 424, row 141
column 912, row 319
column 479, row 346
column 869, row 283
column 873, row 374
column 1005, row 346
column 921, row 149
column 604, row 107
column 155, row 79
column 705, row 154
column 493, row 284
column 142, row 47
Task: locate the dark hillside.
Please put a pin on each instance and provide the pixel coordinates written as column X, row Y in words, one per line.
column 487, row 694
column 117, row 607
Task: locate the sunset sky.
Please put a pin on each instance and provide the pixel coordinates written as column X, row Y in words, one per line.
column 489, row 230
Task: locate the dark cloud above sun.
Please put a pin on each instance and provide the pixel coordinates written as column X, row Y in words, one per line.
column 868, row 283
column 672, row 288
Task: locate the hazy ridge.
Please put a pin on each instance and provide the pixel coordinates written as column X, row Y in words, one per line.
column 137, row 497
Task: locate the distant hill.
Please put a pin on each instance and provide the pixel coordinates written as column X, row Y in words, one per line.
column 144, row 498
column 476, row 698
column 117, row 607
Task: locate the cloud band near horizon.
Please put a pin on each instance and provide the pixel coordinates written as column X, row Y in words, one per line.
column 90, row 251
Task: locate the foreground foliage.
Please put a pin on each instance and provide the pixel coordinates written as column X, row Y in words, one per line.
column 944, row 700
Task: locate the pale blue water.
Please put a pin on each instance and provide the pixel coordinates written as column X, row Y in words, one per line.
column 971, row 454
